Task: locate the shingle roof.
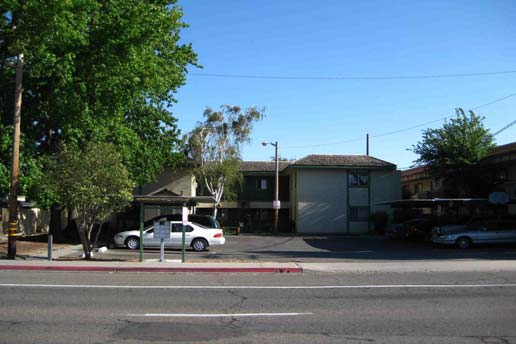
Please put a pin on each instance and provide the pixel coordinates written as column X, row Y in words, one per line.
column 262, row 166
column 414, row 170
column 510, row 147
column 342, row 160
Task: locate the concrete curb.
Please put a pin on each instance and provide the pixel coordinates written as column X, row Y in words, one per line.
column 212, row 269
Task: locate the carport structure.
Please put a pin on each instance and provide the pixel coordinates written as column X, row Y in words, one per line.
column 168, row 201
column 437, row 202
column 451, row 206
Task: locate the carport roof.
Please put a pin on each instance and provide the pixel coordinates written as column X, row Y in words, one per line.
column 171, row 200
column 432, row 202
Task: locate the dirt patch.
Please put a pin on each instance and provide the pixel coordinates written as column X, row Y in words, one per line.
column 93, row 259
column 30, row 246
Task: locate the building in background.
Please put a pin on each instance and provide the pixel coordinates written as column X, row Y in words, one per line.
column 318, row 194
column 252, row 209
column 338, row 193
column 497, row 169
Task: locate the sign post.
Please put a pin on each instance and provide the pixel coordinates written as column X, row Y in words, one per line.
column 183, row 241
column 162, row 231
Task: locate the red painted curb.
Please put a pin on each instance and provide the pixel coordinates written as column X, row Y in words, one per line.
column 142, row 269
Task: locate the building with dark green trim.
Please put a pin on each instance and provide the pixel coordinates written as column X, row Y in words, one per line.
column 319, row 194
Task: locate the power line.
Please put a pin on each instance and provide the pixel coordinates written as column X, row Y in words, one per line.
column 326, row 144
column 505, row 128
column 494, row 101
column 388, row 77
column 409, row 128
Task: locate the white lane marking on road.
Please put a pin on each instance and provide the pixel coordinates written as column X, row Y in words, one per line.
column 201, row 287
column 216, row 315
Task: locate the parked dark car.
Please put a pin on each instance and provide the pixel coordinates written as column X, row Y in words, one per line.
column 205, row 220
column 419, row 229
column 395, row 231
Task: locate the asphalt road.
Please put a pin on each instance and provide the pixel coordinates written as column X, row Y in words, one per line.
column 322, row 249
column 49, row 307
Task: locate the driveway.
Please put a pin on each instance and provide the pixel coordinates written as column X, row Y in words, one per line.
column 322, row 249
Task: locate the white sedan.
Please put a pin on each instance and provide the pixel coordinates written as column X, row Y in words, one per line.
column 196, row 236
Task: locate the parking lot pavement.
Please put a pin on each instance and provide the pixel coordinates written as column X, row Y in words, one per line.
column 320, row 249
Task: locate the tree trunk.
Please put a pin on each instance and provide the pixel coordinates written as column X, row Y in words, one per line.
column 84, row 242
column 97, row 235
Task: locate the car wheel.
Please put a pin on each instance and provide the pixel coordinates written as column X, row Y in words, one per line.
column 199, row 245
column 132, row 243
column 463, row 242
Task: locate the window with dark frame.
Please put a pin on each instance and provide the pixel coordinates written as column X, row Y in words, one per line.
column 261, row 183
column 359, row 214
column 358, row 179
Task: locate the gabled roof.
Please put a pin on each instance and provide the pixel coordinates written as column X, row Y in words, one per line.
column 262, row 166
column 415, row 170
column 164, row 192
column 342, row 161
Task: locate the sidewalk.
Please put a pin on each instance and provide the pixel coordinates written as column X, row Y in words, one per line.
column 40, row 263
column 402, row 266
column 170, row 266
column 147, row 266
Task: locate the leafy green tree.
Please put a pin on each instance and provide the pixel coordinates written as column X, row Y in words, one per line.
column 92, row 180
column 94, row 70
column 454, row 150
column 462, row 141
column 215, row 144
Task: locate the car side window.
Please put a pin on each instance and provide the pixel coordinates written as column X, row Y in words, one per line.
column 177, row 228
column 505, row 226
column 477, row 224
column 494, row 225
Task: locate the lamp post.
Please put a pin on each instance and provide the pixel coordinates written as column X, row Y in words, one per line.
column 15, row 168
column 276, row 203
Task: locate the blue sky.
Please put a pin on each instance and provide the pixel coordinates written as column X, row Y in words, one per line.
column 350, row 38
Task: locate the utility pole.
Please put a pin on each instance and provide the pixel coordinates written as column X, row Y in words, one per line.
column 367, row 144
column 15, row 168
column 276, row 192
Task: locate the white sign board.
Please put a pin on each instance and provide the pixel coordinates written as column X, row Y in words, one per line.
column 276, row 204
column 162, row 230
column 185, row 216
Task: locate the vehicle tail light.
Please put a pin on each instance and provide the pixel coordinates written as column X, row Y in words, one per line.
column 413, row 229
column 218, row 235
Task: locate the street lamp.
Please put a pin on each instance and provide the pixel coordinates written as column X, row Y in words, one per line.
column 276, row 203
